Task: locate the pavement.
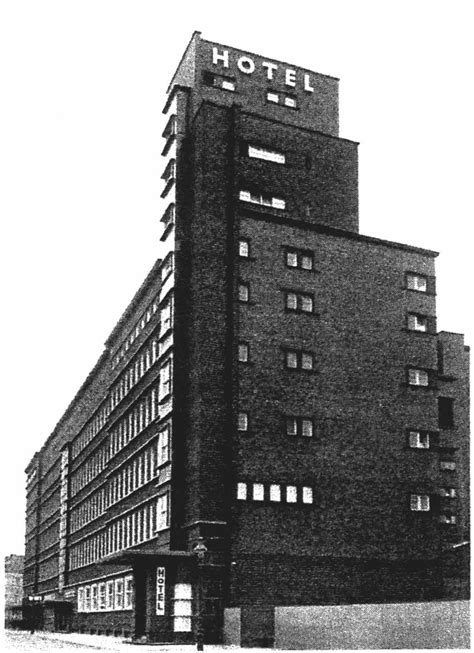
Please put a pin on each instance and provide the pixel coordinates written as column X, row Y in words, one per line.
column 23, row 641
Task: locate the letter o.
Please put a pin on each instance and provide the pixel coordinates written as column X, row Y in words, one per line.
column 246, row 65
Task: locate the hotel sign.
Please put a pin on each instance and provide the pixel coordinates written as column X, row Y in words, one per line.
column 160, row 591
column 247, row 65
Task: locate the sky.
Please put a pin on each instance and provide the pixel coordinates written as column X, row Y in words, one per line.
column 83, row 85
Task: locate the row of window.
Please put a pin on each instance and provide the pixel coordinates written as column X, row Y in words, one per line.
column 134, row 528
column 228, row 83
column 90, row 469
column 143, row 413
column 274, row 492
column 114, row 594
column 293, row 359
column 136, row 330
column 422, row 503
column 133, row 475
column 90, row 430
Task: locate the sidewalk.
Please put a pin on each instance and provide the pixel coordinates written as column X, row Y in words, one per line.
column 104, row 643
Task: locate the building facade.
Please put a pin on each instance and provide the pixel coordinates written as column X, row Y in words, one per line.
column 275, row 420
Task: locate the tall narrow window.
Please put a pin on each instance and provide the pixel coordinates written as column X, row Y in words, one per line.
column 241, row 491
column 244, row 247
column 244, row 292
column 445, row 412
column 258, row 492
column 162, row 512
column 307, row 494
column 275, row 492
column 291, row 494
column 242, row 422
column 243, row 352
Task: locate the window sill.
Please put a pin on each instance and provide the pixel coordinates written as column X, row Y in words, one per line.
column 419, row 333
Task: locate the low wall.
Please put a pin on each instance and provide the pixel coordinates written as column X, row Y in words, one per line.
column 435, row 625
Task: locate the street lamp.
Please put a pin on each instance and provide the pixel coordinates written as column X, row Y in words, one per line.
column 200, row 550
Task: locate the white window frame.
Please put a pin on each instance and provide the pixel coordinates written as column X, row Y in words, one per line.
column 307, row 494
column 242, row 421
column 109, row 595
column 418, row 377
column 244, row 247
column 242, row 491
column 418, row 282
column 419, row 440
column 275, row 492
column 258, row 152
column 119, row 594
column 420, row 503
column 291, row 494
column 258, row 492
column 128, row 593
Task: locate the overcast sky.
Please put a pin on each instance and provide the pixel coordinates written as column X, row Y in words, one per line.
column 83, row 85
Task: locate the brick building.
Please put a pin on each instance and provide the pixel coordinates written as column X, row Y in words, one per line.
column 276, row 391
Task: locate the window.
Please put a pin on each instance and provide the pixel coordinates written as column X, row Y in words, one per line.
column 165, row 380
column 128, row 605
column 219, row 81
column 419, row 440
column 170, row 171
column 109, row 601
column 307, row 495
column 165, row 317
column 298, row 302
column 244, row 292
column 445, row 412
column 419, row 502
column 418, row 377
column 258, row 492
column 447, row 465
column 182, row 608
column 447, row 519
column 241, row 491
column 80, row 600
column 262, row 199
column 243, row 352
column 87, row 600
column 167, row 267
column 242, row 422
column 417, row 282
column 162, row 513
column 301, row 360
column 291, row 494
column 299, row 426
column 257, row 152
column 94, row 597
column 448, row 492
column 119, row 593
column 244, row 247
column 163, row 445
column 296, row 258
column 417, row 322
column 275, row 492
column 283, row 99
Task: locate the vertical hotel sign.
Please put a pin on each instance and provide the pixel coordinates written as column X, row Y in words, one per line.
column 63, row 506
column 160, row 591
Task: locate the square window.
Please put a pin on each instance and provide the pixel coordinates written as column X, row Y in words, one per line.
column 275, row 492
column 244, row 249
column 244, row 292
column 291, row 494
column 419, row 440
column 419, row 502
column 242, row 422
column 258, row 492
column 417, row 282
column 417, row 322
column 418, row 377
column 242, row 491
column 307, row 495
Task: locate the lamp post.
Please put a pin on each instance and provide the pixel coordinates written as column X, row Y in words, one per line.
column 200, row 550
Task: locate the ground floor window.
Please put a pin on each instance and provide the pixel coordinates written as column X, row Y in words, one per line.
column 182, row 608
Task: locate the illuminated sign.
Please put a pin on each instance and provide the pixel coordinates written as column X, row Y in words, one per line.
column 160, row 591
column 247, row 66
